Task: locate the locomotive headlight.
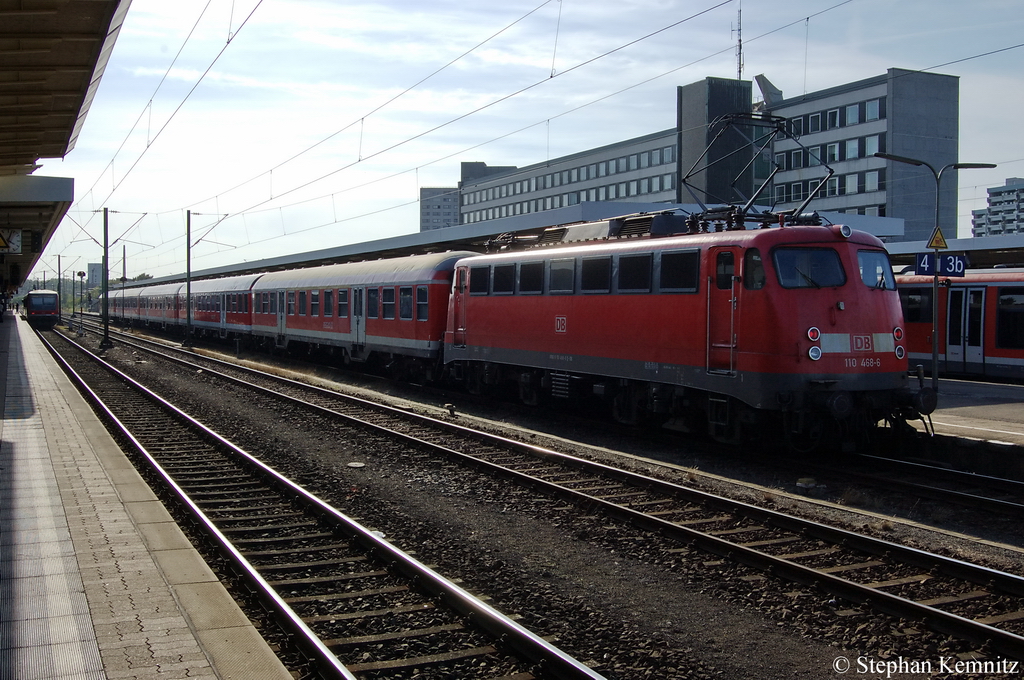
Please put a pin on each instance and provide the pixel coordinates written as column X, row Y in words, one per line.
column 900, row 352
column 813, row 334
column 897, row 333
column 814, row 353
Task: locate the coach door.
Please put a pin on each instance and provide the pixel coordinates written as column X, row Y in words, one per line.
column 722, row 310
column 282, row 318
column 459, row 293
column 964, row 329
column 358, row 317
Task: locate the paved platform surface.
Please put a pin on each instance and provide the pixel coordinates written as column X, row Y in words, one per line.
column 96, row 580
column 988, row 411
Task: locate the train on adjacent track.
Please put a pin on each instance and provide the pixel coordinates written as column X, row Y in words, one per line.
column 980, row 322
column 41, row 308
column 726, row 330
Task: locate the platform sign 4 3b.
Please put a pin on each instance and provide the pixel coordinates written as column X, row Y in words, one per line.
column 928, row 264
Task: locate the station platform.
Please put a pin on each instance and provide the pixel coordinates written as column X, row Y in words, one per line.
column 96, row 579
column 977, row 410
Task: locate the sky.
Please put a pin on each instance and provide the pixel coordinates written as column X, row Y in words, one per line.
column 287, row 126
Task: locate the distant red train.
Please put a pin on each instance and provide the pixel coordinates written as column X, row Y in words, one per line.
column 731, row 332
column 981, row 322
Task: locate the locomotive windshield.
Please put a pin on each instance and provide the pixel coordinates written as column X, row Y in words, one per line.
column 875, row 270
column 809, row 268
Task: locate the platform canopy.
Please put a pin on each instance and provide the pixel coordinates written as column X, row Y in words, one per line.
column 52, row 56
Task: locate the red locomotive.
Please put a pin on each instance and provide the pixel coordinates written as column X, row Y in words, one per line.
column 724, row 331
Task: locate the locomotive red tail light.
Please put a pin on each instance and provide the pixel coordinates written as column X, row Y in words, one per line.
column 897, row 333
column 813, row 334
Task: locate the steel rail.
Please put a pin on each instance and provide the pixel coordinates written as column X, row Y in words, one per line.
column 937, row 619
column 529, row 646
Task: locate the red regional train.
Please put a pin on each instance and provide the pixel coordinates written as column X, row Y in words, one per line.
column 981, row 322
column 723, row 331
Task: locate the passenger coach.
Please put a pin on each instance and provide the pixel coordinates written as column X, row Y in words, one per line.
column 981, row 322
column 391, row 310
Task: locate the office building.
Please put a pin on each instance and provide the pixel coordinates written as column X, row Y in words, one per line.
column 1005, row 211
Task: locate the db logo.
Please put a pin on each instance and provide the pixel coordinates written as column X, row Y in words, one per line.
column 862, row 343
column 559, row 324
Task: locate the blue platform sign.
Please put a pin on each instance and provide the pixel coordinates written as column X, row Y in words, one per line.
column 948, row 265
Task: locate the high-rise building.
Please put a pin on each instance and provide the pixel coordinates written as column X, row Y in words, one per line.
column 1005, row 211
column 439, row 207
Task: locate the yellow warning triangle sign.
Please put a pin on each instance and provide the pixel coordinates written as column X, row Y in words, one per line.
column 3, row 242
column 938, row 241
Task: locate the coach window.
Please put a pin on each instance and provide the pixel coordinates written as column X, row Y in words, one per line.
column 753, row 270
column 680, row 271
column 372, row 297
column 291, row 303
column 302, row 303
column 405, row 303
column 1010, row 319
column 328, row 303
column 273, row 302
column 422, row 303
column 479, row 279
column 562, row 277
column 635, row 273
column 596, row 275
column 531, row 278
column 917, row 304
column 388, row 303
column 314, row 303
column 343, row 303
column 504, row 279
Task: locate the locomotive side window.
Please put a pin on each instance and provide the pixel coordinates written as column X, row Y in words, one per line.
column 372, row 296
column 388, row 303
column 531, row 277
column 635, row 273
column 405, row 303
column 753, row 270
column 1010, row 319
column 422, row 303
column 504, row 279
column 596, row 275
column 343, row 303
column 562, row 277
column 875, row 269
column 479, row 278
column 725, row 268
column 680, row 271
column 809, row 268
column 328, row 303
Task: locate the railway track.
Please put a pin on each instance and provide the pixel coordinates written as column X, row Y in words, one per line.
column 360, row 607
column 973, row 603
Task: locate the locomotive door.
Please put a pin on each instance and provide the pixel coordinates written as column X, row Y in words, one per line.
column 723, row 301
column 964, row 329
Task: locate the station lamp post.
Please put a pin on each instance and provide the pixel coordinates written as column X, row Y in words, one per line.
column 937, row 174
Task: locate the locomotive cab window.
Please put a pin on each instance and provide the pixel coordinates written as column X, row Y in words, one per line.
column 596, row 275
column 725, row 269
column 753, row 270
column 809, row 268
column 680, row 271
column 875, row 269
column 531, row 278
